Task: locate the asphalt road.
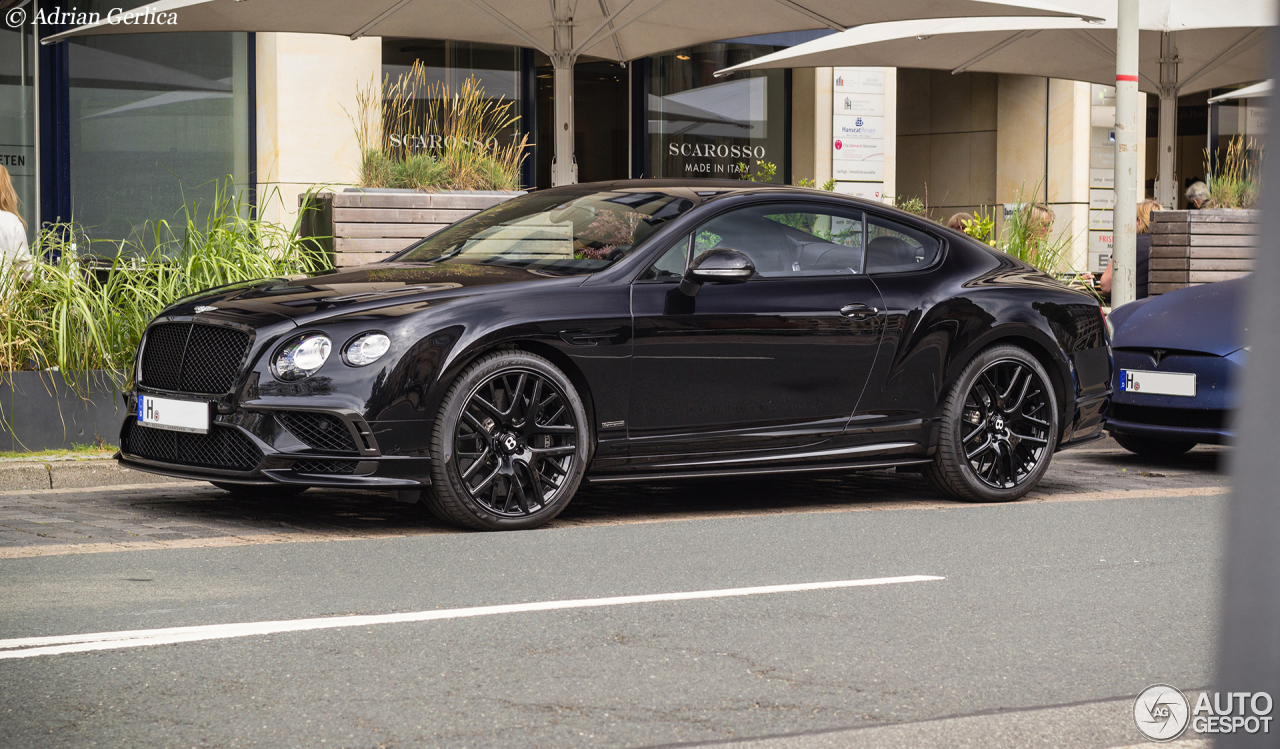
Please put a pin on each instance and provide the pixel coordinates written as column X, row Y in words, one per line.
column 1050, row 617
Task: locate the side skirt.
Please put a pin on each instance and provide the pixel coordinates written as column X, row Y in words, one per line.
column 754, row 471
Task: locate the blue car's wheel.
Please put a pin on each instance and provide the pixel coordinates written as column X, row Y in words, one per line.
column 1149, row 448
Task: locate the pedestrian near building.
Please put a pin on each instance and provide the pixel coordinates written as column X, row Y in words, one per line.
column 13, row 230
column 958, row 220
column 1197, row 196
column 1143, row 268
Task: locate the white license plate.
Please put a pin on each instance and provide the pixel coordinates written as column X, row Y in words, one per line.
column 176, row 415
column 1157, row 383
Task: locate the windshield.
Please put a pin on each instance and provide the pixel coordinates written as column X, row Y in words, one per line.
column 557, row 232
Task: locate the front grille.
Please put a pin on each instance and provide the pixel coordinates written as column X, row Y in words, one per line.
column 324, row 466
column 318, row 431
column 193, row 358
column 222, row 447
column 1193, row 418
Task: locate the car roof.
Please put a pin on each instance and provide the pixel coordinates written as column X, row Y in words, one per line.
column 701, row 190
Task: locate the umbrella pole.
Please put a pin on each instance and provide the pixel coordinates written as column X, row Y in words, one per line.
column 1124, row 236
column 1166, row 184
column 564, row 170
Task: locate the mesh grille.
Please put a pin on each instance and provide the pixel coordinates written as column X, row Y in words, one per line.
column 1194, row 418
column 193, row 358
column 222, row 447
column 162, row 356
column 319, row 431
column 324, row 466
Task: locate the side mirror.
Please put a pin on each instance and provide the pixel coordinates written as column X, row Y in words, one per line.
column 720, row 265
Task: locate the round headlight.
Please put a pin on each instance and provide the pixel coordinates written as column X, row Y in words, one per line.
column 302, row 357
column 367, row 349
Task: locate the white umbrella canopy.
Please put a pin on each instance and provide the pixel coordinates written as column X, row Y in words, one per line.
column 1257, row 90
column 1185, row 47
column 563, row 29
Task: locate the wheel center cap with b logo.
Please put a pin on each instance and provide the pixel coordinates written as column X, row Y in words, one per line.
column 509, row 443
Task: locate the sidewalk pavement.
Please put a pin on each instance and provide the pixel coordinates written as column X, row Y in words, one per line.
column 72, row 473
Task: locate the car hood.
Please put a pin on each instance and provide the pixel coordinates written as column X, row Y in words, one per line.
column 1207, row 318
column 307, row 299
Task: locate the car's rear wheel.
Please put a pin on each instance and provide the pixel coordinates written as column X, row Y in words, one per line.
column 260, row 491
column 999, row 428
column 1151, row 448
column 510, row 444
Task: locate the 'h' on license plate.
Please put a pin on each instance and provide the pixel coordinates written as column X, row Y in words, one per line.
column 1157, row 383
column 175, row 415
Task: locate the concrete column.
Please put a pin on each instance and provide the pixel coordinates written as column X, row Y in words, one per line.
column 306, row 103
column 1124, row 280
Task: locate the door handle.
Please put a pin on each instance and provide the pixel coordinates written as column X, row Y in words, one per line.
column 859, row 311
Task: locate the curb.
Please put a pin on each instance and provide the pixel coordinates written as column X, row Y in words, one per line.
column 73, row 474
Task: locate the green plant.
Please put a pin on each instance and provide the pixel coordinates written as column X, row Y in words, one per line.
column 1237, row 183
column 75, row 314
column 829, row 185
column 427, row 136
column 765, row 171
column 981, row 228
column 915, row 206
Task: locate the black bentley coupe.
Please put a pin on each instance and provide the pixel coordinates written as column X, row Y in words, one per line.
column 628, row 331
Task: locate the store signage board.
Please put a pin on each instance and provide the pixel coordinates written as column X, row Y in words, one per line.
column 857, row 126
column 1104, row 178
column 858, row 170
column 1100, row 220
column 857, row 80
column 864, row 190
column 1099, row 250
column 865, row 104
column 1102, row 199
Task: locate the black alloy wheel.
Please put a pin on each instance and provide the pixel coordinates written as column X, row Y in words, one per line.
column 511, row 446
column 998, row 430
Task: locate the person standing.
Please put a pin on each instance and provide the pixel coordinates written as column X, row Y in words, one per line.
column 13, row 228
column 1197, row 196
column 1143, row 268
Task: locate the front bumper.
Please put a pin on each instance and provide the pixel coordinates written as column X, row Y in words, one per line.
column 254, row 447
column 1205, row 419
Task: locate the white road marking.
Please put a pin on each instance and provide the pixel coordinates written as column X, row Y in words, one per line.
column 30, row 647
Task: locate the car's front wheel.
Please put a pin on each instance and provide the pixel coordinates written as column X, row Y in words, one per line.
column 999, row 428
column 510, row 444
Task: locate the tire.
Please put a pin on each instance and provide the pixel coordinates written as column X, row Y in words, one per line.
column 1152, row 448
column 499, row 461
column 259, row 491
column 998, row 430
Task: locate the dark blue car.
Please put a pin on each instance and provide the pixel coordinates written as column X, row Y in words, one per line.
column 1178, row 358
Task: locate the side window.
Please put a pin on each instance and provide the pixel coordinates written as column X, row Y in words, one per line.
column 669, row 267
column 789, row 239
column 895, row 248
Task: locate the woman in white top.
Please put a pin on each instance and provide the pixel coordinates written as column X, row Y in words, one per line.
column 13, row 228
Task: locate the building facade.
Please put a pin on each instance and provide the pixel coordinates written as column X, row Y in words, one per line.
column 117, row 133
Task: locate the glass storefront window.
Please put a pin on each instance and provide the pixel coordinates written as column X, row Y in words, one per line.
column 702, row 126
column 156, row 122
column 18, row 118
column 496, row 67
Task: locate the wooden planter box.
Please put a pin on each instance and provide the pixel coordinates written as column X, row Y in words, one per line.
column 1195, row 247
column 39, row 412
column 358, row 227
